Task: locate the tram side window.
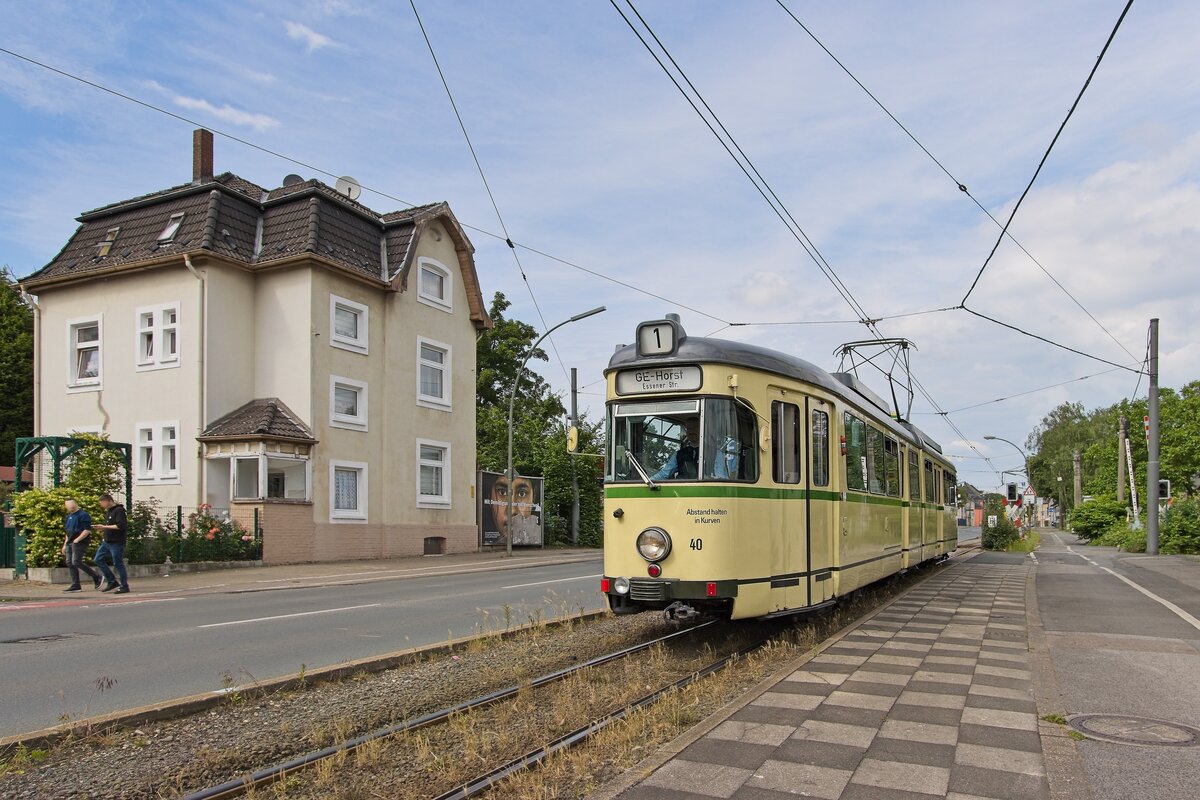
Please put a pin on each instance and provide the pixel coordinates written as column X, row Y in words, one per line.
column 820, row 448
column 856, row 453
column 785, row 442
column 914, row 475
column 951, row 489
column 875, row 457
column 929, row 490
column 939, row 485
column 891, row 467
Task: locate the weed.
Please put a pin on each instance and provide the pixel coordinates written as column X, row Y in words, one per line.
column 1057, row 719
column 1076, row 735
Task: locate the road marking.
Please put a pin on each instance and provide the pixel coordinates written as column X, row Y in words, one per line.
column 287, row 616
column 1174, row 609
column 482, row 566
column 185, row 589
column 557, row 580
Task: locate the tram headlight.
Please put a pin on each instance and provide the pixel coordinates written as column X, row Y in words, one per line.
column 654, row 544
column 621, row 585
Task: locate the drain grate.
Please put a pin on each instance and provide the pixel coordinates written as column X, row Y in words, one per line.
column 1135, row 730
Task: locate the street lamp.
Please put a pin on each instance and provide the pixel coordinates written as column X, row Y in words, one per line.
column 512, row 397
column 991, row 438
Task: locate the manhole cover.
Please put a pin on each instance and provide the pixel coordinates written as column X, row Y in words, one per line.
column 1135, row 730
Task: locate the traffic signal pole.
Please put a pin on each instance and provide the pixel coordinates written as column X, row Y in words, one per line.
column 1152, row 447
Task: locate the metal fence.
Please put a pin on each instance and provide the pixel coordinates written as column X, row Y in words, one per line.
column 193, row 533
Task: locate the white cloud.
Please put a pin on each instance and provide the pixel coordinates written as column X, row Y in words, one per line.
column 311, row 39
column 234, row 116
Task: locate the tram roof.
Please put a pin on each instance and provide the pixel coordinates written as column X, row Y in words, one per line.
column 698, row 349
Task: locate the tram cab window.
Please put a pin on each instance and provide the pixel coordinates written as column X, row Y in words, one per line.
column 820, row 448
column 683, row 440
column 785, row 442
column 914, row 475
column 856, row 452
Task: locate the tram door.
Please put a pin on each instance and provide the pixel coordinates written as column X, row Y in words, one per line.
column 787, row 523
column 820, row 502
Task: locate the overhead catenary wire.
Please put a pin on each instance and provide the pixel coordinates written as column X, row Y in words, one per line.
column 1051, row 342
column 1070, row 112
column 373, row 190
column 962, row 187
column 1015, row 395
column 487, row 187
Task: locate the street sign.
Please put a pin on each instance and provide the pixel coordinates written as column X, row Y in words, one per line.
column 1030, row 493
column 992, row 520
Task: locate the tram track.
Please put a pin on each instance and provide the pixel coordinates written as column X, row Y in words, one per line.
column 487, row 779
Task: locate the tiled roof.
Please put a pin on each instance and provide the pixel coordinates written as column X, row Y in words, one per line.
column 266, row 418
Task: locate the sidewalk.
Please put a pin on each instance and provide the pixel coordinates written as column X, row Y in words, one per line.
column 942, row 694
column 326, row 573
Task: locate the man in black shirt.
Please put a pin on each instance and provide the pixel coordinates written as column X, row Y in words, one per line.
column 112, row 551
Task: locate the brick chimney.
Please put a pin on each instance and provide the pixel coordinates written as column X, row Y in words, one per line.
column 202, row 156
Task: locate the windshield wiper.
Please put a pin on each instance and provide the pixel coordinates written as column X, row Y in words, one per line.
column 641, row 471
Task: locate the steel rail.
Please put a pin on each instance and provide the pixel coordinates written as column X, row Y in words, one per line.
column 238, row 786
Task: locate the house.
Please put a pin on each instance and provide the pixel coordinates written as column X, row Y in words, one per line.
column 287, row 350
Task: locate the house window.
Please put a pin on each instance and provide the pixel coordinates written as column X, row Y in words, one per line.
column 434, row 284
column 433, row 473
column 84, row 356
column 172, row 228
column 347, row 491
column 105, row 246
column 245, row 479
column 157, row 452
column 158, row 337
column 348, row 322
column 433, row 380
column 287, row 479
column 347, row 403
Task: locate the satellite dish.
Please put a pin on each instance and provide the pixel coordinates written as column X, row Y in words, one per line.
column 292, row 180
column 348, row 186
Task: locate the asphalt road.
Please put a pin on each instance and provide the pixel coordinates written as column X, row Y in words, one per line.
column 164, row 647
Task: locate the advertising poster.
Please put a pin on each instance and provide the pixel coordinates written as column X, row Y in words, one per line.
column 526, row 523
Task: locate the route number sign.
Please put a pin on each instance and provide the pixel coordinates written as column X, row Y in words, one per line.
column 656, row 338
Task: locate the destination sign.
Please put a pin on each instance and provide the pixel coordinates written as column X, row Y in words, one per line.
column 659, row 379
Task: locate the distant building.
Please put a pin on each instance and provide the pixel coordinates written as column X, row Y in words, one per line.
column 286, row 349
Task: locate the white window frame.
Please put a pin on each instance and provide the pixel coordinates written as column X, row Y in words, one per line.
column 157, row 445
column 336, row 515
column 172, row 227
column 358, row 345
column 443, row 500
column 441, row 303
column 158, row 330
column 356, row 423
column 444, row 403
column 74, row 384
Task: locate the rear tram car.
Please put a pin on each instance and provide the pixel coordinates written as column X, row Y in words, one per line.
column 744, row 482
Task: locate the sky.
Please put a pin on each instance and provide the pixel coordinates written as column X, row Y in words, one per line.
column 595, row 158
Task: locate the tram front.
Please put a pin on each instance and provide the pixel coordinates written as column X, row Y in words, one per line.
column 682, row 452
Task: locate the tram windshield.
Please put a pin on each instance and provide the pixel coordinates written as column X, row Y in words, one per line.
column 713, row 439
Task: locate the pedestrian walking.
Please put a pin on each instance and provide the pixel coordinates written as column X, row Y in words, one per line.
column 79, row 533
column 111, row 553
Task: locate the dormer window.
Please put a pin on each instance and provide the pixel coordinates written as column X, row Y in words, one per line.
column 107, row 244
column 172, row 228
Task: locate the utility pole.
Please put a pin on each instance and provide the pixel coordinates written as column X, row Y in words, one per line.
column 1152, row 444
column 574, row 472
column 1075, row 461
column 1121, row 458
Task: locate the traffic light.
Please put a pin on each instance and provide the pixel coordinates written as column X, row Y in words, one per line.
column 1164, row 489
column 1012, row 493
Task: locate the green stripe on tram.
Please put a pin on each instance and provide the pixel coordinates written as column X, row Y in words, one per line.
column 752, row 492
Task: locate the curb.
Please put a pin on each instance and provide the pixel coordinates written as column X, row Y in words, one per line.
column 192, row 704
column 642, row 770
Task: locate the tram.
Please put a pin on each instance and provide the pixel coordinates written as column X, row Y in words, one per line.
column 744, row 482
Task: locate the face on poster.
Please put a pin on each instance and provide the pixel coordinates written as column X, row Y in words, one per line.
column 526, row 523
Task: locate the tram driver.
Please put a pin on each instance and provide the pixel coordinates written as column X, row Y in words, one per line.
column 684, row 463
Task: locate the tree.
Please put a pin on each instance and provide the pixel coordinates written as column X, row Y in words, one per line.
column 539, row 432
column 16, row 367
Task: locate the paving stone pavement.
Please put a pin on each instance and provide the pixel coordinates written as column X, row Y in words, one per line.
column 930, row 697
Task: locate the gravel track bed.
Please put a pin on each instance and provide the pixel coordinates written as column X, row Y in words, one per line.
column 167, row 759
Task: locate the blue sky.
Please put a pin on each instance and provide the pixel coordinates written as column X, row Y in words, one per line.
column 594, row 157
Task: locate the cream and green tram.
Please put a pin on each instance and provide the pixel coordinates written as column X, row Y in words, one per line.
column 745, row 482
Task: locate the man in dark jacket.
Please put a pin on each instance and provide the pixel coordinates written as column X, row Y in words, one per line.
column 79, row 531
column 111, row 552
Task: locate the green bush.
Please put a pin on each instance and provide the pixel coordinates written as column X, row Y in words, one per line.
column 1004, row 532
column 1180, row 530
column 1121, row 536
column 41, row 513
column 1095, row 517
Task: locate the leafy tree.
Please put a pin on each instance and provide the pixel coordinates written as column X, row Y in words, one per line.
column 539, row 432
column 16, row 367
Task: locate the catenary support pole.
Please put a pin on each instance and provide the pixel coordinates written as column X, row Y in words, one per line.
column 1076, row 459
column 1121, row 434
column 574, row 472
column 1152, row 446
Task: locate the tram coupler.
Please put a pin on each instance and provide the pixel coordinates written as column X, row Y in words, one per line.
column 680, row 612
